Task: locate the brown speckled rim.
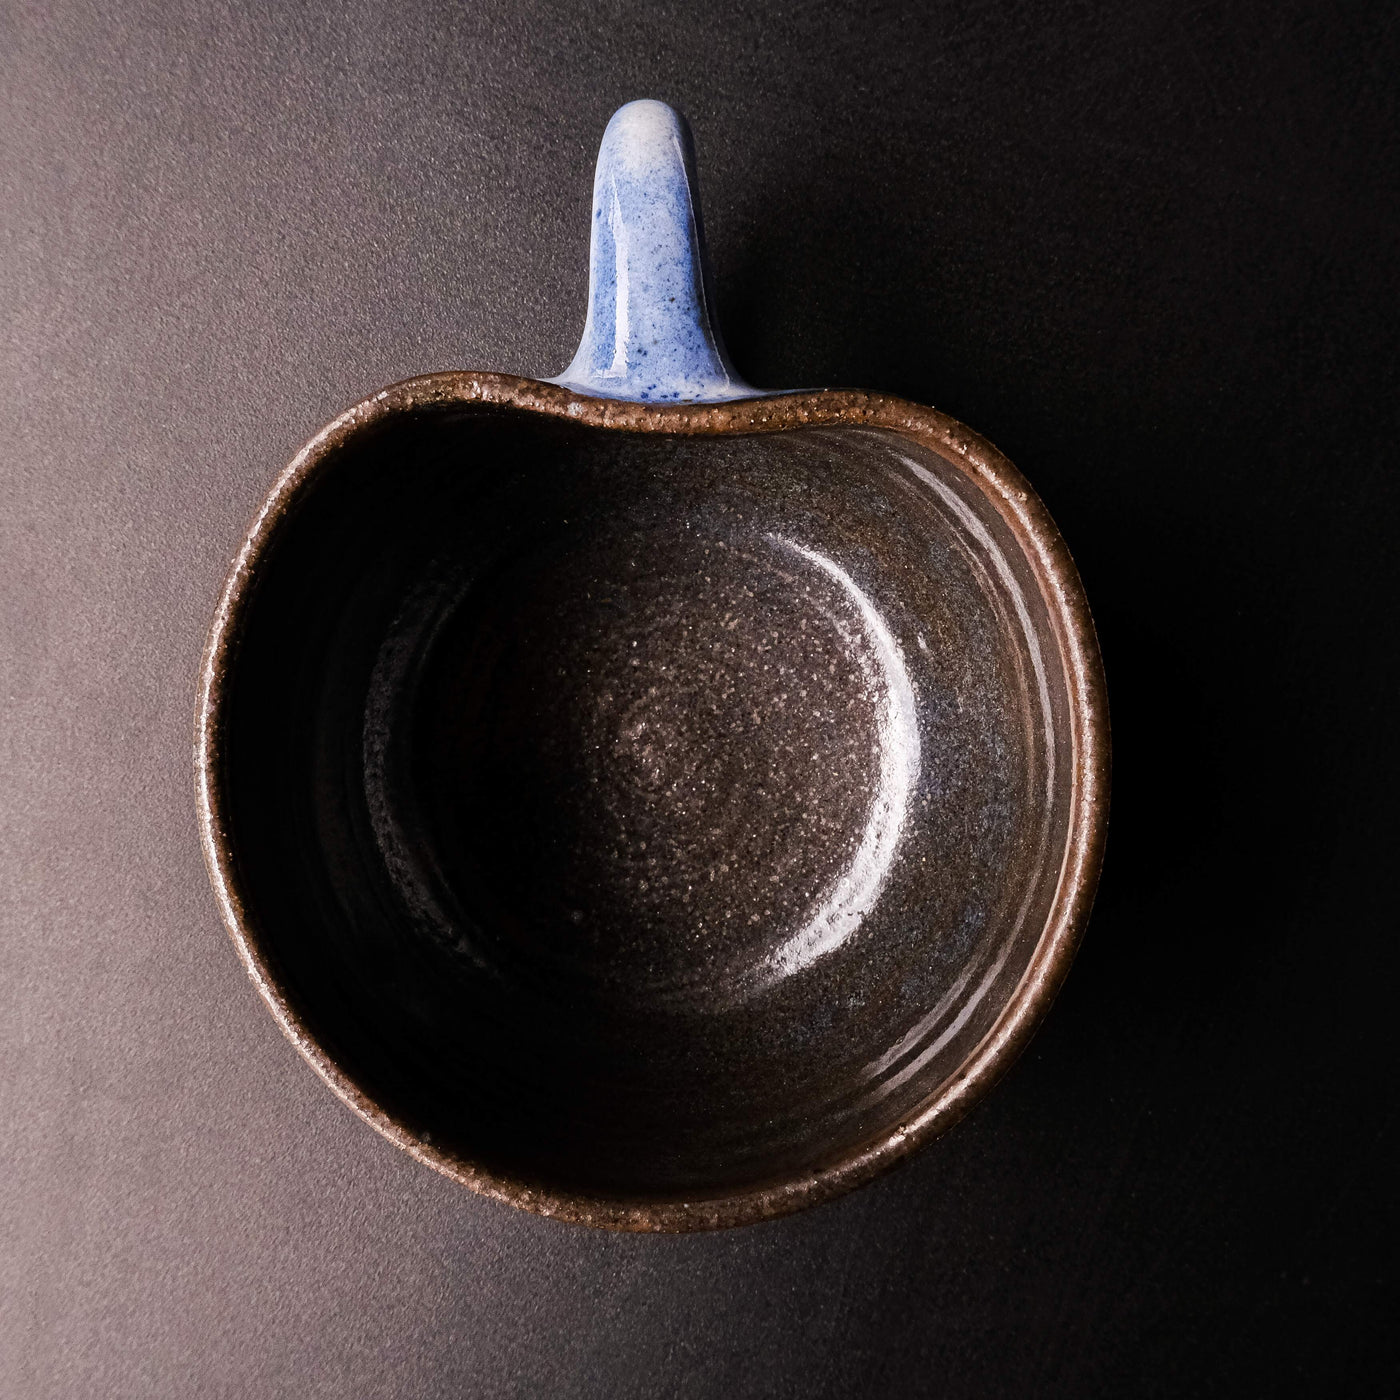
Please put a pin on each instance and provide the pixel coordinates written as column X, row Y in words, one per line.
column 1064, row 596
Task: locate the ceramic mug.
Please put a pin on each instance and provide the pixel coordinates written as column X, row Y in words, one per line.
column 652, row 801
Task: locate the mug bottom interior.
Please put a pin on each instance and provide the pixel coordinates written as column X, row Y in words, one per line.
column 639, row 815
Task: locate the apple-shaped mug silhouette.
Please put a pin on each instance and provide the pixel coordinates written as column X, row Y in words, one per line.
column 651, row 801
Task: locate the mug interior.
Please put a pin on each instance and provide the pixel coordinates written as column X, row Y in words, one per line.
column 645, row 816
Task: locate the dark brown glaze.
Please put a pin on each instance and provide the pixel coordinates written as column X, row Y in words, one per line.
column 654, row 817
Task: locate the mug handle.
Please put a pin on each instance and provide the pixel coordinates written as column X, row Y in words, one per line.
column 648, row 337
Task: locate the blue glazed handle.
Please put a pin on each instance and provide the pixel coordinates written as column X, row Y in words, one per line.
column 648, row 336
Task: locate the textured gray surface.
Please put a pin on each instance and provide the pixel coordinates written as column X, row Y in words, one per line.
column 1148, row 253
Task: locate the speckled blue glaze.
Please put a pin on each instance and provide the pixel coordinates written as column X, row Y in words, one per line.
column 648, row 336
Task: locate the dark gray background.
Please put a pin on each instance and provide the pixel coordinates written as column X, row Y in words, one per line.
column 1148, row 249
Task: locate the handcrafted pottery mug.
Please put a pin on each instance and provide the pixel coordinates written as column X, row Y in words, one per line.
column 651, row 801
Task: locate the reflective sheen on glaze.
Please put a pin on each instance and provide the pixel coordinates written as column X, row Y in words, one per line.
column 652, row 812
column 851, row 894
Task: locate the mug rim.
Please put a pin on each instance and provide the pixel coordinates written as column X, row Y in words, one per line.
column 1066, row 604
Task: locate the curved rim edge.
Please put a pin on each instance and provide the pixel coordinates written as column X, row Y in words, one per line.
column 1064, row 594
